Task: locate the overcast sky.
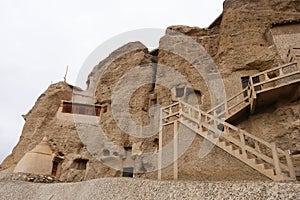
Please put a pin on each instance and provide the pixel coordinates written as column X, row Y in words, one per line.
column 39, row 38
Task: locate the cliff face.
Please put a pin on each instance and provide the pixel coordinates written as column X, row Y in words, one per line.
column 38, row 121
column 249, row 37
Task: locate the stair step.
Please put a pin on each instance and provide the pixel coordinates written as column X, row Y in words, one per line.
column 224, row 143
column 253, row 160
column 250, row 156
column 269, row 172
column 262, row 166
column 214, row 131
column 237, row 152
column 213, row 136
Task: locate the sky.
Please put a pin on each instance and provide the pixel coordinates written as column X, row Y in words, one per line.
column 40, row 38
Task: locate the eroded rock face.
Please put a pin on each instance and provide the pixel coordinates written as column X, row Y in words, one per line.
column 70, row 135
column 245, row 46
column 63, row 138
column 39, row 121
column 241, row 42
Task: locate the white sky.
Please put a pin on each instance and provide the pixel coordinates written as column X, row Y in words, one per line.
column 39, row 38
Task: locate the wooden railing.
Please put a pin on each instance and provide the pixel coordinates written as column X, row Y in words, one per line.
column 261, row 82
column 232, row 105
column 275, row 77
column 249, row 144
column 293, row 54
column 169, row 114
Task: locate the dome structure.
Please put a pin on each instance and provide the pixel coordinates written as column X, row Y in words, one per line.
column 37, row 161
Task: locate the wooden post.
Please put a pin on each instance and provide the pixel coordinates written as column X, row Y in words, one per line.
column 257, row 148
column 175, row 148
column 290, row 165
column 160, row 145
column 243, row 141
column 199, row 121
column 180, row 109
column 266, row 76
column 281, row 72
column 215, row 116
column 276, row 159
column 226, row 110
column 252, row 98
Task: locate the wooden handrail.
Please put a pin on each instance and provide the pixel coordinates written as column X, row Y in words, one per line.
column 238, row 103
column 241, row 134
column 172, row 105
column 265, row 143
column 274, row 69
column 189, row 117
column 188, row 105
column 232, row 134
column 218, row 106
column 230, row 99
column 276, row 78
column 170, row 115
column 238, row 94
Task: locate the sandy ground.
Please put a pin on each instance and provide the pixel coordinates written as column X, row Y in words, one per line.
column 126, row 188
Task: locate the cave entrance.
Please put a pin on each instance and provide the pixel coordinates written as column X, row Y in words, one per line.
column 245, row 83
column 79, row 164
column 128, row 172
column 56, row 167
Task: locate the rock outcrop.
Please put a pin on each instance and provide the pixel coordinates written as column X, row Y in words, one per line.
column 248, row 37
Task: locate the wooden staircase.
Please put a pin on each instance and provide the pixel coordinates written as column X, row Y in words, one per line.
column 262, row 156
column 263, row 88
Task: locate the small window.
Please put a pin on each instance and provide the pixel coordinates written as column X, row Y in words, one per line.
column 245, row 83
column 82, row 109
column 128, row 149
column 67, row 108
column 128, row 172
column 79, row 164
column 153, row 102
column 255, row 79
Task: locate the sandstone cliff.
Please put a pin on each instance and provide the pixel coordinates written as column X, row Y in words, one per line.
column 248, row 37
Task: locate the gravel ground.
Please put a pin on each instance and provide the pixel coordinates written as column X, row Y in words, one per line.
column 126, row 188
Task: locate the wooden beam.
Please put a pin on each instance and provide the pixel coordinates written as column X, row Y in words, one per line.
column 276, row 159
column 243, row 141
column 159, row 175
column 175, row 149
column 290, row 165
